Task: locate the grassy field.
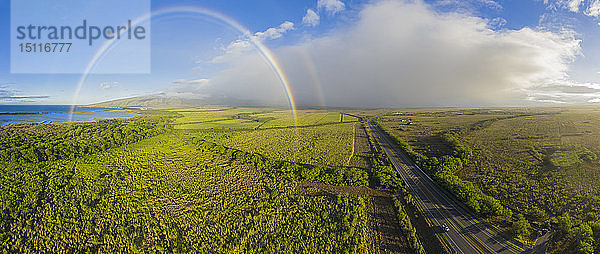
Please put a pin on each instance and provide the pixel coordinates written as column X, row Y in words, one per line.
column 320, row 138
column 540, row 162
column 253, row 118
column 321, row 145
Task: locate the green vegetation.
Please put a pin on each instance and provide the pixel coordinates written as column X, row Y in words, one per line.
column 521, row 227
column 254, row 180
column 383, row 173
column 576, row 233
column 571, row 157
column 318, row 141
column 408, row 228
column 328, row 145
column 459, row 150
column 253, row 118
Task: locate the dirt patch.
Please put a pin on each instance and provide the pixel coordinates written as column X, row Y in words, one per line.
column 384, row 234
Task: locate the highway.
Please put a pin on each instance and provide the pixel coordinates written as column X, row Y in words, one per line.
column 466, row 234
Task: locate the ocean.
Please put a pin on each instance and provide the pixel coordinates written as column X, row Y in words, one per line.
column 56, row 114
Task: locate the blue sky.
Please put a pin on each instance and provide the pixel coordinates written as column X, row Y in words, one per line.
column 197, row 55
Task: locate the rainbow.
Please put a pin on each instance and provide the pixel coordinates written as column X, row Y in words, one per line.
column 264, row 51
column 314, row 75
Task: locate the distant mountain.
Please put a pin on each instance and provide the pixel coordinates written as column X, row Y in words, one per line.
column 165, row 101
column 152, row 101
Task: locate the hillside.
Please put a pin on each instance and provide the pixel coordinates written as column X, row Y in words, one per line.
column 154, row 101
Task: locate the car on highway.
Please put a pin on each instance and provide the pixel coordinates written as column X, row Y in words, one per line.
column 445, row 228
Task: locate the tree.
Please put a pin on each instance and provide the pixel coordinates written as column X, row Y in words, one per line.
column 584, row 241
column 565, row 223
column 537, row 213
column 490, row 205
column 507, row 214
column 596, row 230
column 521, row 227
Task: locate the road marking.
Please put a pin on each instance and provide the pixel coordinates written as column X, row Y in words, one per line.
column 446, row 244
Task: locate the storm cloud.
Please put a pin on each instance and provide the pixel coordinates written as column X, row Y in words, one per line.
column 401, row 53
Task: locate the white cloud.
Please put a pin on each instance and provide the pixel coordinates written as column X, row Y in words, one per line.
column 593, row 9
column 179, row 81
column 190, row 82
column 108, row 85
column 497, row 23
column 574, row 5
column 405, row 54
column 595, row 100
column 469, row 5
column 492, row 4
column 9, row 94
column 311, row 18
column 243, row 45
column 235, row 48
column 331, row 6
column 275, row 32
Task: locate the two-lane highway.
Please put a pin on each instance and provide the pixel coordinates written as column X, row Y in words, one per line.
column 466, row 234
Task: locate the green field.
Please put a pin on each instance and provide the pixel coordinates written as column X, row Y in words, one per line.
column 320, row 138
column 253, row 118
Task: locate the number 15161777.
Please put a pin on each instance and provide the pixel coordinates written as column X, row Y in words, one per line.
column 45, row 47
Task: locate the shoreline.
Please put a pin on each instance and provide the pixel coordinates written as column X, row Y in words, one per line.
column 61, row 117
column 63, row 113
